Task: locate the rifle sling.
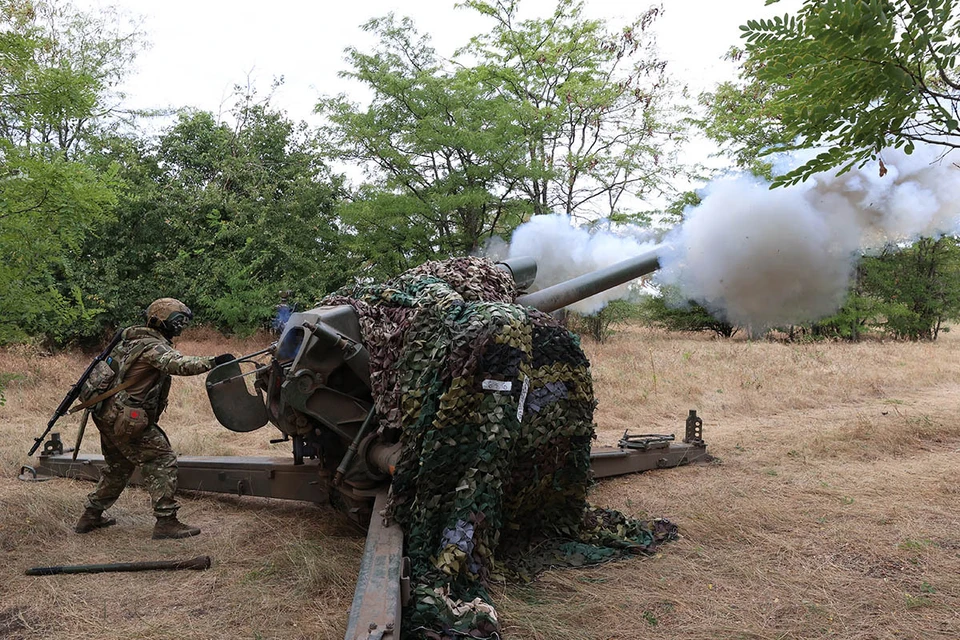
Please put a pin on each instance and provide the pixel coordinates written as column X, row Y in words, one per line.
column 103, row 396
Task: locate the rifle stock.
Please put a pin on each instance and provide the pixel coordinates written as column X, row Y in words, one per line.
column 83, row 427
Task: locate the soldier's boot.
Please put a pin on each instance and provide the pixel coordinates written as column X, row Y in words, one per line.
column 168, row 527
column 92, row 519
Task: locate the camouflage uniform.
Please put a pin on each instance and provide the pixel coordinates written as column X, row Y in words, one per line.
column 129, row 434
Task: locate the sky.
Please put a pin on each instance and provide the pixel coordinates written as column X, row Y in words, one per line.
column 200, row 49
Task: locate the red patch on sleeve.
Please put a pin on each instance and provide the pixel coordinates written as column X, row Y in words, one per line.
column 134, row 414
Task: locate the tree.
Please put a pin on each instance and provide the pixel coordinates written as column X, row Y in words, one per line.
column 440, row 151
column 58, row 68
column 920, row 285
column 591, row 104
column 61, row 72
column 741, row 118
column 555, row 114
column 47, row 206
column 855, row 78
column 861, row 313
column 599, row 325
column 222, row 215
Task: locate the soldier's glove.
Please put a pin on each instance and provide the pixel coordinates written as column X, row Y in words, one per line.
column 223, row 358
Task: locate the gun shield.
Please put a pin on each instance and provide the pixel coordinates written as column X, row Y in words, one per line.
column 235, row 407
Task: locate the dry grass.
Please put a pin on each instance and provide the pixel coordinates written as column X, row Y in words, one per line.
column 831, row 512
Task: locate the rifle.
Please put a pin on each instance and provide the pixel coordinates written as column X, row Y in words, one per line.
column 74, row 393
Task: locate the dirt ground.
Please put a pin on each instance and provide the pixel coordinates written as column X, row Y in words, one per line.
column 831, row 511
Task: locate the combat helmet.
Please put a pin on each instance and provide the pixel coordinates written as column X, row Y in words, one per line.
column 168, row 315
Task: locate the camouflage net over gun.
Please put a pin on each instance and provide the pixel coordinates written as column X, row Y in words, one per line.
column 494, row 403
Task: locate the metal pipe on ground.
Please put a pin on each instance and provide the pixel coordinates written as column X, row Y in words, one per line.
column 198, row 564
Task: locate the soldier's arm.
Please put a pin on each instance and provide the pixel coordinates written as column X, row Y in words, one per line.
column 172, row 362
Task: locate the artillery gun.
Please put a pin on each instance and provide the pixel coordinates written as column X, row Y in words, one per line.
column 314, row 386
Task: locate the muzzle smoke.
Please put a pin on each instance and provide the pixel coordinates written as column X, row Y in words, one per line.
column 563, row 251
column 763, row 258
column 760, row 257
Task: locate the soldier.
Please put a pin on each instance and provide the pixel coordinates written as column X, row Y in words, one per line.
column 129, row 435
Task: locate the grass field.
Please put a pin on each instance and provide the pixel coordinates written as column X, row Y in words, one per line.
column 832, row 510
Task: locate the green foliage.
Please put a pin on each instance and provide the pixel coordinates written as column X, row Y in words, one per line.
column 538, row 116
column 47, row 205
column 669, row 311
column 674, row 211
column 95, row 224
column 920, row 286
column 849, row 77
column 905, row 293
column 600, row 325
column 741, row 118
column 59, row 69
column 221, row 216
column 859, row 315
column 853, row 78
column 591, row 103
column 441, row 150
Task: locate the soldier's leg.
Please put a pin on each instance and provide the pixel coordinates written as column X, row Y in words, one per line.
column 116, row 473
column 158, row 466
column 113, row 479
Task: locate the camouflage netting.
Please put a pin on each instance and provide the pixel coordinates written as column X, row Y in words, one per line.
column 495, row 406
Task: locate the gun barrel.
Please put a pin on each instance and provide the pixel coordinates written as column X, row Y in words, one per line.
column 582, row 287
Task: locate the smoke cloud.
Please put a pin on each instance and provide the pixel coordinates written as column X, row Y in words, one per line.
column 563, row 251
column 763, row 258
column 760, row 257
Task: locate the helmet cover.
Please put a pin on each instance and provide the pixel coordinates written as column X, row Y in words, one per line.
column 168, row 315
